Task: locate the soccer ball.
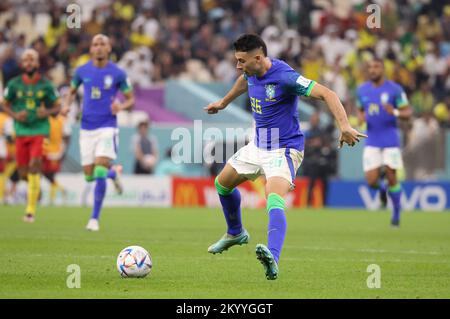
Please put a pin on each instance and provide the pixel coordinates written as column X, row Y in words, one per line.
column 134, row 261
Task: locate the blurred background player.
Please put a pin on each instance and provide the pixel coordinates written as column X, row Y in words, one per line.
column 54, row 149
column 30, row 99
column 102, row 80
column 277, row 150
column 381, row 102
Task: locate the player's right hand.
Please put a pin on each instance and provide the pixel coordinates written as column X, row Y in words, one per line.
column 21, row 116
column 350, row 136
column 214, row 107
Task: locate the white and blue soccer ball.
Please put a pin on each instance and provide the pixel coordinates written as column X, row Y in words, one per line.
column 134, row 261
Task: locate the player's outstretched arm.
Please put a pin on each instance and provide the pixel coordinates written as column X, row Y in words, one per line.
column 116, row 106
column 68, row 100
column 404, row 113
column 348, row 134
column 239, row 87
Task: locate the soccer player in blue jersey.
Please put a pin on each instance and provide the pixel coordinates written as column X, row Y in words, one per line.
column 380, row 103
column 277, row 149
column 101, row 80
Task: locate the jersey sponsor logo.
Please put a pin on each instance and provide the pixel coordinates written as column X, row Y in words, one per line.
column 270, row 92
column 30, row 93
column 107, row 82
column 303, row 81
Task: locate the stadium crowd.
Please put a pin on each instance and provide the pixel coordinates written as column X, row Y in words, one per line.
column 326, row 40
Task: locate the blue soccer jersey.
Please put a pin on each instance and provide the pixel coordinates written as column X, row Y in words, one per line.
column 100, row 88
column 381, row 126
column 274, row 100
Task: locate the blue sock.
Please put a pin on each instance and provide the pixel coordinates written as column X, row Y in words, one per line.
column 395, row 193
column 99, row 195
column 231, row 205
column 276, row 231
column 112, row 174
column 382, row 186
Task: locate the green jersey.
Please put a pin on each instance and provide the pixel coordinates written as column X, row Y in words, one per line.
column 28, row 96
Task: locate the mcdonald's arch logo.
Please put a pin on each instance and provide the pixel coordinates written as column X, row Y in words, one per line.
column 186, row 195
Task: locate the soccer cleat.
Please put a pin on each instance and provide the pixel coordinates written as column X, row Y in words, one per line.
column 93, row 225
column 264, row 255
column 28, row 218
column 395, row 223
column 227, row 241
column 117, row 183
column 383, row 198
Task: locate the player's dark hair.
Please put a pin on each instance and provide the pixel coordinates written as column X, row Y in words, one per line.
column 248, row 42
column 377, row 59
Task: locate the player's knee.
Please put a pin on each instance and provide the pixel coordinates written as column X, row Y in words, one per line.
column 372, row 181
column 274, row 200
column 373, row 184
column 222, row 190
column 100, row 172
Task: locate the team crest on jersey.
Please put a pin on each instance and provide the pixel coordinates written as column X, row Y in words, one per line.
column 40, row 94
column 19, row 94
column 107, row 82
column 270, row 92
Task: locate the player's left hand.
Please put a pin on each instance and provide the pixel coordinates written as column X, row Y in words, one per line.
column 350, row 136
column 116, row 107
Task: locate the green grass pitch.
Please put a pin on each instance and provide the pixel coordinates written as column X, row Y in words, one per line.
column 326, row 254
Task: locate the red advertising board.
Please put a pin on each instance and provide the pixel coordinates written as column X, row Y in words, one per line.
column 191, row 192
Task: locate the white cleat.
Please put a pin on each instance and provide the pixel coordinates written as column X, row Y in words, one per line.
column 29, row 218
column 93, row 225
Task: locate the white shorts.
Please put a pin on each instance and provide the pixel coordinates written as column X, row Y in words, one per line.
column 375, row 157
column 251, row 162
column 3, row 152
column 102, row 142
